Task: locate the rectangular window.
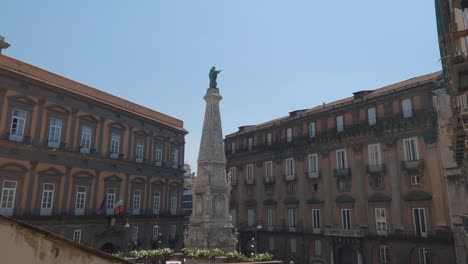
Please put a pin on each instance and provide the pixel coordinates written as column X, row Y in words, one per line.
column 250, row 176
column 135, row 235
column 77, row 235
column 173, row 232
column 341, row 162
column 290, row 169
column 289, row 135
column 423, row 254
column 415, row 180
column 55, row 131
column 270, row 218
column 136, row 202
column 250, row 217
column 407, row 109
column 269, row 171
column 346, row 219
column 158, row 155
column 312, row 129
column 155, row 232
column 316, row 221
column 173, row 203
column 234, row 216
column 175, row 158
column 371, row 116
column 313, row 166
column 419, row 220
column 156, row 203
column 381, row 221
column 85, row 141
column 139, row 153
column 80, row 200
column 411, row 149
column 47, row 198
column 374, row 154
column 250, row 143
column 111, row 193
column 292, row 219
column 233, row 148
column 293, row 245
column 115, row 144
column 233, row 173
column 318, row 247
column 384, row 254
column 7, row 201
column 271, row 242
column 269, row 138
column 18, row 123
column 339, row 123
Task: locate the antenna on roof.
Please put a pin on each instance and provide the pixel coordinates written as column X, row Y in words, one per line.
column 3, row 44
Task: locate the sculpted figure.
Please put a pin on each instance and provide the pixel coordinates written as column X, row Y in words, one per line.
column 213, row 76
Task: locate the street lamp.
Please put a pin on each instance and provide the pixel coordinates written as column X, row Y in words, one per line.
column 258, row 228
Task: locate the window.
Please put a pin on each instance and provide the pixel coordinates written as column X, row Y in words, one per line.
column 55, row 130
column 289, row 135
column 85, row 141
column 173, row 203
column 290, row 169
column 158, row 155
column 419, row 219
column 135, row 235
column 139, row 153
column 233, row 148
column 77, row 235
column 269, row 189
column 315, row 187
column 111, row 193
column 346, row 219
column 18, row 122
column 381, row 221
column 250, row 217
column 344, row 185
column 374, row 154
column 292, row 219
column 339, row 123
column 371, row 116
column 175, row 158
column 47, row 198
column 318, row 247
column 384, row 254
column 269, row 171
column 411, row 149
column 269, row 139
column 270, row 218
column 80, row 200
column 114, row 149
column 407, row 110
column 136, row 202
column 293, row 245
column 271, row 242
column 378, row 182
column 250, row 143
column 312, row 129
column 232, row 171
column 313, row 166
column 316, row 221
column 250, row 176
column 341, row 162
column 173, row 232
column 423, row 254
column 155, row 232
column 156, row 203
column 415, row 180
column 233, row 216
column 7, row 201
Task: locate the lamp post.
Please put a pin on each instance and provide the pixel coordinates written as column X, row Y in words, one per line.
column 257, row 229
column 124, row 238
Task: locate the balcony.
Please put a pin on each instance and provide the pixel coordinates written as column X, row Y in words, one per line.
column 343, row 173
column 343, row 232
column 250, row 181
column 114, row 155
column 85, row 150
column 313, row 175
column 54, row 145
column 158, row 163
column 290, row 177
column 16, row 138
column 139, row 160
column 412, row 165
column 269, row 180
column 376, row 169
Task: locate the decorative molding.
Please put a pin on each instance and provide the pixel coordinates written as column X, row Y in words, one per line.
column 357, row 147
column 117, row 125
column 88, row 118
column 113, row 178
column 58, row 109
column 13, row 167
column 51, row 172
column 344, row 198
column 83, row 175
column 378, row 197
column 22, row 99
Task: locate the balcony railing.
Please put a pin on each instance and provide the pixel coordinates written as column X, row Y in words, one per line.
column 377, row 168
column 413, row 164
column 343, row 232
column 139, row 160
column 250, row 181
column 313, row 174
column 16, row 138
column 290, row 177
column 343, row 173
column 269, row 180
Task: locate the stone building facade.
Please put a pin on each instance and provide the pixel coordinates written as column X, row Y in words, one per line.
column 69, row 153
column 359, row 180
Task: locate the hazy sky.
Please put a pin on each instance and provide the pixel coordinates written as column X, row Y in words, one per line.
column 275, row 56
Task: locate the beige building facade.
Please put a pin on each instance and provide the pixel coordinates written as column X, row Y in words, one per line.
column 69, row 153
column 359, row 180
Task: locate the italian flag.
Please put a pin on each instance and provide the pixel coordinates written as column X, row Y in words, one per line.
column 118, row 206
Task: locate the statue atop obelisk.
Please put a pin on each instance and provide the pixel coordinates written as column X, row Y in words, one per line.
column 210, row 224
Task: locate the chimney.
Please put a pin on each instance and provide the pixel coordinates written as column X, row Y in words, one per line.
column 3, row 44
column 361, row 94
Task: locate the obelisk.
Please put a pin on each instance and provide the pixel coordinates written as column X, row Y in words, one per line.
column 210, row 224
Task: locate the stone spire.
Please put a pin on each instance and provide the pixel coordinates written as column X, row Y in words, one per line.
column 210, row 223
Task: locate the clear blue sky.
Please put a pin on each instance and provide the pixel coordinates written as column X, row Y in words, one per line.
column 275, row 56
